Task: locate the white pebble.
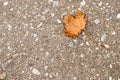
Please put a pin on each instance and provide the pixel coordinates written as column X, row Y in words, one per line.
column 9, row 48
column 96, row 21
column 49, row 1
column 106, row 3
column 46, row 53
column 103, row 37
column 81, row 55
column 5, row 3
column 81, row 44
column 46, row 10
column 100, row 4
column 43, row 17
column 31, row 27
column 52, row 59
column 52, row 14
column 11, row 9
column 74, row 78
column 9, row 26
column 71, row 44
column 118, row 16
column 96, row 48
column 83, row 3
column 110, row 78
column 87, row 43
column 50, row 75
column 35, row 35
column 35, row 71
column 113, row 33
column 79, row 8
column 55, row 3
column 75, row 40
column 110, row 65
column 46, row 74
column 46, row 67
column 58, row 21
column 36, row 39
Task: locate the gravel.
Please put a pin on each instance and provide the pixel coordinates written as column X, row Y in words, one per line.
column 35, row 71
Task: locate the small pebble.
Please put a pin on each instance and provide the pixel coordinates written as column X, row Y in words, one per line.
column 81, row 44
column 35, row 71
column 81, row 55
column 113, row 33
column 46, row 53
column 46, row 74
column 46, row 10
column 110, row 78
column 5, row 3
column 107, row 4
column 55, row 3
column 96, row 48
column 87, row 43
column 83, row 3
column 52, row 14
column 103, row 37
column 58, row 21
column 71, row 44
column 96, row 21
column 35, row 35
column 9, row 26
column 75, row 40
column 43, row 17
column 2, row 76
column 49, row 1
column 118, row 16
column 46, row 67
column 97, row 74
column 36, row 39
column 75, row 78
column 100, row 4
column 39, row 25
column 50, row 75
column 110, row 65
column 106, row 46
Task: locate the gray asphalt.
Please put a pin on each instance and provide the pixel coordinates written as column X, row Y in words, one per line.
column 34, row 47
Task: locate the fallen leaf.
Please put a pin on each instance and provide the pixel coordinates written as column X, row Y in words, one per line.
column 74, row 24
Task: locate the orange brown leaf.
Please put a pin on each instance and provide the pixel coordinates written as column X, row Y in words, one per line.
column 74, row 25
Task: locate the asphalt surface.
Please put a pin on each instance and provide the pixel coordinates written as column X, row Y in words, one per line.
column 34, row 47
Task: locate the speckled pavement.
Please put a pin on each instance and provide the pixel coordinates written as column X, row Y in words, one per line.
column 34, row 47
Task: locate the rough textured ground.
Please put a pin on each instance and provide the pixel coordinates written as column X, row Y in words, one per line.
column 34, row 47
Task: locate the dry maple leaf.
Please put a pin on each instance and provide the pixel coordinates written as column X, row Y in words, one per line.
column 74, row 25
